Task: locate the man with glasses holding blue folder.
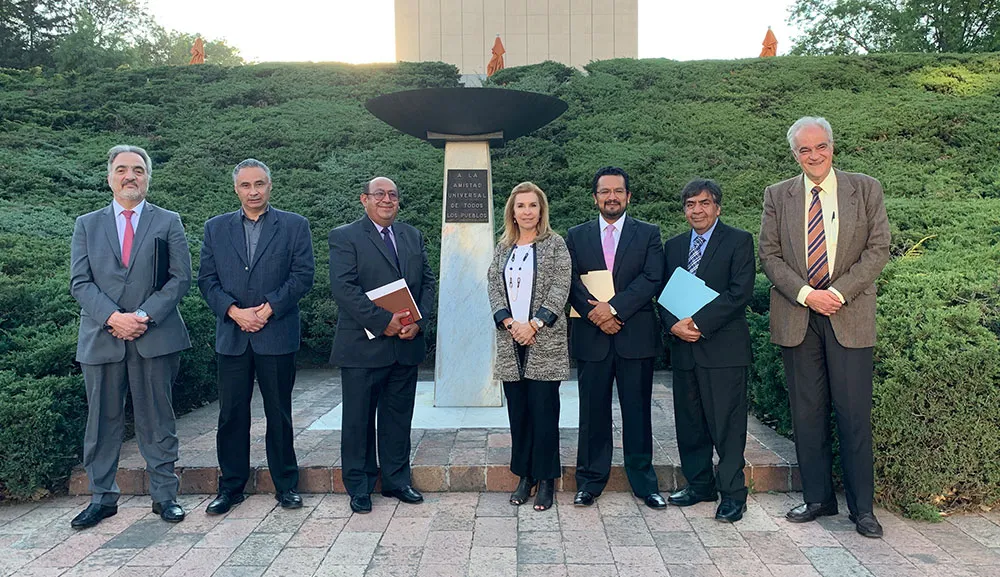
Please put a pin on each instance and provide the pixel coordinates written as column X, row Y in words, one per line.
column 710, row 350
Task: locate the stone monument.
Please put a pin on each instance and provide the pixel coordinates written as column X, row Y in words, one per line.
column 466, row 122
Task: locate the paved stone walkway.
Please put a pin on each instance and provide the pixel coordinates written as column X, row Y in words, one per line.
column 481, row 535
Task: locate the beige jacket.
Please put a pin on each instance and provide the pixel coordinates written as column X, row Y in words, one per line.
column 862, row 252
column 548, row 358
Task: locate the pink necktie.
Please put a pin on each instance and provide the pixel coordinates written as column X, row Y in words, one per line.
column 129, row 236
column 609, row 247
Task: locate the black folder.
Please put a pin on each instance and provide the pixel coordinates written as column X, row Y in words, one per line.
column 161, row 263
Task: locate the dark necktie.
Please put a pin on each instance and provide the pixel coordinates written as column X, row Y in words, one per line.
column 816, row 259
column 391, row 247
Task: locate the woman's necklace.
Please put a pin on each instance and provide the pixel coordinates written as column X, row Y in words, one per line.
column 514, row 279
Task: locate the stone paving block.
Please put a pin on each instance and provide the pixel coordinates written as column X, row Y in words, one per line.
column 196, row 480
column 71, row 551
column 255, row 507
column 755, row 519
column 262, row 480
column 228, row 534
column 44, row 538
column 628, row 532
column 776, row 504
column 315, row 479
column 391, row 571
column 333, row 570
column 498, row 456
column 795, row 571
column 774, row 548
column 835, row 562
column 237, row 571
column 493, row 562
column 956, row 543
column 576, row 518
column 495, row 505
column 376, row 521
column 428, row 456
column 34, row 519
column 104, row 561
column 438, row 570
column 770, row 477
column 9, row 512
column 453, row 518
column 198, row 522
column 530, row 520
column 429, row 478
column 296, row 562
column 352, row 549
column 806, row 534
column 499, row 478
column 736, row 561
column 259, row 549
column 715, row 534
column 495, row 532
column 541, row 570
column 588, row 546
column 681, row 548
column 198, row 563
column 166, row 550
column 333, row 506
column 646, row 557
column 406, row 531
column 499, row 440
column 591, row 570
column 617, row 504
column 395, row 555
column 130, row 571
column 979, row 528
column 895, row 571
column 140, row 534
column 837, row 523
column 870, row 551
column 467, row 478
column 665, row 520
column 447, row 547
column 639, row 571
column 540, row 547
column 703, row 510
column 693, row 571
column 283, row 520
column 318, row 532
column 466, row 456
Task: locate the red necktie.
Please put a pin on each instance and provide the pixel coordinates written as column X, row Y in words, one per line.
column 816, row 259
column 129, row 237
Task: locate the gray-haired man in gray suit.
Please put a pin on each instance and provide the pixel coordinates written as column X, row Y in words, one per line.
column 131, row 333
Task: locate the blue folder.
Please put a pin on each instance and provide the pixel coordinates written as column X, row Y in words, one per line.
column 685, row 294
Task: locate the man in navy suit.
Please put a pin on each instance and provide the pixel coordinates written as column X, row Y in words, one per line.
column 256, row 264
column 379, row 374
column 615, row 341
column 710, row 352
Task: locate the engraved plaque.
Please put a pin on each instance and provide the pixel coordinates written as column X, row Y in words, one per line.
column 467, row 197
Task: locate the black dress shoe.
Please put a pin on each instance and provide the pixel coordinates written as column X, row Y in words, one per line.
column 361, row 504
column 584, row 499
column 807, row 512
column 289, row 499
column 688, row 496
column 523, row 491
column 867, row 525
column 406, row 494
column 224, row 502
column 93, row 515
column 169, row 511
column 730, row 510
column 655, row 501
column 546, row 489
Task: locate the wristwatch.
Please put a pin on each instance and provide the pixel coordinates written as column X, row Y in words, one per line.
column 613, row 311
column 538, row 323
column 509, row 325
column 141, row 313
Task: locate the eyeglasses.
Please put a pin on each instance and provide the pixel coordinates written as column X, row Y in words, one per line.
column 608, row 192
column 381, row 194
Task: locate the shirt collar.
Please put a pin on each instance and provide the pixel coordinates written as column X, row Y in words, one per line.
column 707, row 234
column 829, row 183
column 605, row 224
column 379, row 227
column 243, row 214
column 137, row 210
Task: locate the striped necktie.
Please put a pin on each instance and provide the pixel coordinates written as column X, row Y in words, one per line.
column 694, row 256
column 816, row 257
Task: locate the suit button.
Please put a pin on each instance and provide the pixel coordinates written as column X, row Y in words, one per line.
column 246, row 268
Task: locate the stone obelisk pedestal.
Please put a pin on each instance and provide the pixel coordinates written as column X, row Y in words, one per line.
column 466, row 122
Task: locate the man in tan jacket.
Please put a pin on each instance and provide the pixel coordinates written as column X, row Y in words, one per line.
column 824, row 239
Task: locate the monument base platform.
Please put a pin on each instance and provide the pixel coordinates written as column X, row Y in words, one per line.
column 446, row 457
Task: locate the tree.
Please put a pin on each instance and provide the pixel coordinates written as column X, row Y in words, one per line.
column 853, row 26
column 173, row 48
column 29, row 30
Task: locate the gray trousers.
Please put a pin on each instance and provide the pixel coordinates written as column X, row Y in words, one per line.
column 151, row 383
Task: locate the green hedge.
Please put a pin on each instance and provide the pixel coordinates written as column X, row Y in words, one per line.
column 926, row 125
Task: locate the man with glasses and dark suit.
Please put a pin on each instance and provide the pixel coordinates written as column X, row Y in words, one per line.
column 379, row 374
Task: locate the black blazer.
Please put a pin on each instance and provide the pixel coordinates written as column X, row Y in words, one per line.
column 281, row 274
column 727, row 266
column 360, row 262
column 638, row 277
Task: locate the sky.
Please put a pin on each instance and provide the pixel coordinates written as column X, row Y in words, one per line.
column 362, row 31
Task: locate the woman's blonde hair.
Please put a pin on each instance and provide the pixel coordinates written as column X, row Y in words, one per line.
column 511, row 231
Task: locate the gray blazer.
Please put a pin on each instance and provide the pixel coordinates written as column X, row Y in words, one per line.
column 101, row 285
column 862, row 252
column 548, row 358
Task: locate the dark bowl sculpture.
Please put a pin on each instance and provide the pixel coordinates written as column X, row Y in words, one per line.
column 502, row 114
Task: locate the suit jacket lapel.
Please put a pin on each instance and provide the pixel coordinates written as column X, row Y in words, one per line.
column 376, row 238
column 111, row 227
column 145, row 221
column 269, row 228
column 238, row 237
column 593, row 236
column 846, row 221
column 627, row 234
column 718, row 236
column 794, row 209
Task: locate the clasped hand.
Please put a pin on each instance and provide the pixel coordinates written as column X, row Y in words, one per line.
column 127, row 326
column 396, row 327
column 825, row 302
column 685, row 330
column 602, row 316
column 251, row 319
column 523, row 333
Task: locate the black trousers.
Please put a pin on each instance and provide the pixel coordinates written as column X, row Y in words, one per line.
column 275, row 377
column 385, row 393
column 533, row 408
column 819, row 372
column 594, row 448
column 710, row 411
